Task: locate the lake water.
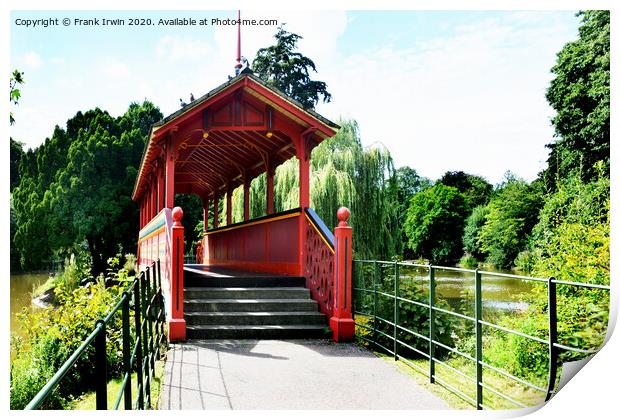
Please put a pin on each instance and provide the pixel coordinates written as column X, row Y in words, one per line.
column 22, row 286
column 498, row 293
column 454, row 289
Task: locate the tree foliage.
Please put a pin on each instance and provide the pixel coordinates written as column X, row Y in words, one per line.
column 471, row 234
column 16, row 79
column 76, row 187
column 512, row 213
column 434, row 224
column 476, row 190
column 580, row 95
column 286, row 69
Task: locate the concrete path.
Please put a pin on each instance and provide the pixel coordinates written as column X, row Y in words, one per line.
column 287, row 374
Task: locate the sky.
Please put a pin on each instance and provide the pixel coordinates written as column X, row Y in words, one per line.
column 441, row 90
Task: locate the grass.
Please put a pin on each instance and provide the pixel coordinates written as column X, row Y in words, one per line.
column 87, row 401
column 521, row 393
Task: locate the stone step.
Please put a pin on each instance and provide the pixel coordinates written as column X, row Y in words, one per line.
column 198, row 280
column 257, row 331
column 246, row 293
column 255, row 318
column 250, row 305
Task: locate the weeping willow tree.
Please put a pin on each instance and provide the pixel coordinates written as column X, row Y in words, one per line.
column 342, row 173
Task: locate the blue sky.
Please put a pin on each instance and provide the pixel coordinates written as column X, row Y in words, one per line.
column 442, row 90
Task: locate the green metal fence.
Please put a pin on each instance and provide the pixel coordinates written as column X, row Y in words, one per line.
column 142, row 340
column 384, row 327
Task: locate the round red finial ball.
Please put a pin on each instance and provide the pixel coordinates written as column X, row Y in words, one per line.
column 343, row 214
column 177, row 215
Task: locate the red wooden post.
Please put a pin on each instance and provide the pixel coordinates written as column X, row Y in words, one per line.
column 303, row 154
column 341, row 323
column 216, row 211
column 154, row 196
column 246, row 198
column 161, row 181
column 270, row 197
column 229, row 206
column 176, row 323
column 170, row 156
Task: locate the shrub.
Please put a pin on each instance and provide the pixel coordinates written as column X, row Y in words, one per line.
column 54, row 334
column 525, row 261
column 469, row 261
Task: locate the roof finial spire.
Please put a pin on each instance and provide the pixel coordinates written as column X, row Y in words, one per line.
column 238, row 65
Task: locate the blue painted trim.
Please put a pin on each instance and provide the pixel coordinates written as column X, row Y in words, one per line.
column 323, row 230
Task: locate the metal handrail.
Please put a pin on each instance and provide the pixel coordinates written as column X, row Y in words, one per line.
column 147, row 296
column 551, row 341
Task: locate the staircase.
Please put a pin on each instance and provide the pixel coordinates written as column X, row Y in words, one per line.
column 230, row 305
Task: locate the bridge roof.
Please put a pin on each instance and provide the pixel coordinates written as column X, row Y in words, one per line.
column 234, row 131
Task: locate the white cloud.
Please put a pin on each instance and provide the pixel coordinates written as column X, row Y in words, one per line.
column 473, row 101
column 115, row 68
column 175, row 48
column 31, row 60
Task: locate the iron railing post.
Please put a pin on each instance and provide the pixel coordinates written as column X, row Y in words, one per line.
column 149, row 313
column 431, row 323
column 553, row 336
column 374, row 306
column 158, row 326
column 126, row 350
column 145, row 341
column 396, row 306
column 101, row 376
column 478, row 318
column 138, row 320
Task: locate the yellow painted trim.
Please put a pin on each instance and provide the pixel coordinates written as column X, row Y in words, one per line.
column 319, row 232
column 155, row 232
column 258, row 222
column 154, row 220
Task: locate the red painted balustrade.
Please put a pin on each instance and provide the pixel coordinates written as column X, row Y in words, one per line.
column 162, row 238
column 267, row 244
column 297, row 243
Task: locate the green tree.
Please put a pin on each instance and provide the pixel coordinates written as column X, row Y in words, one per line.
column 282, row 67
column 434, row 224
column 476, row 190
column 409, row 183
column 17, row 151
column 16, row 79
column 512, row 213
column 75, row 189
column 471, row 233
column 580, row 95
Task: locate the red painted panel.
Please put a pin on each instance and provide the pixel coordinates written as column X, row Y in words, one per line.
column 283, row 241
column 268, row 246
column 255, row 243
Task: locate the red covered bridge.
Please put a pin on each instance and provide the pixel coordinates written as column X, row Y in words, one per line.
column 263, row 277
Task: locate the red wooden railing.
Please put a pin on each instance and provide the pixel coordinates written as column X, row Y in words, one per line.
column 319, row 262
column 266, row 244
column 272, row 244
column 162, row 239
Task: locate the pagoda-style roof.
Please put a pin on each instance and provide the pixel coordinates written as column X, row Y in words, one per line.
column 233, row 133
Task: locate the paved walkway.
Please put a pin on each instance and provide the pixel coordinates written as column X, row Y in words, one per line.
column 287, row 374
